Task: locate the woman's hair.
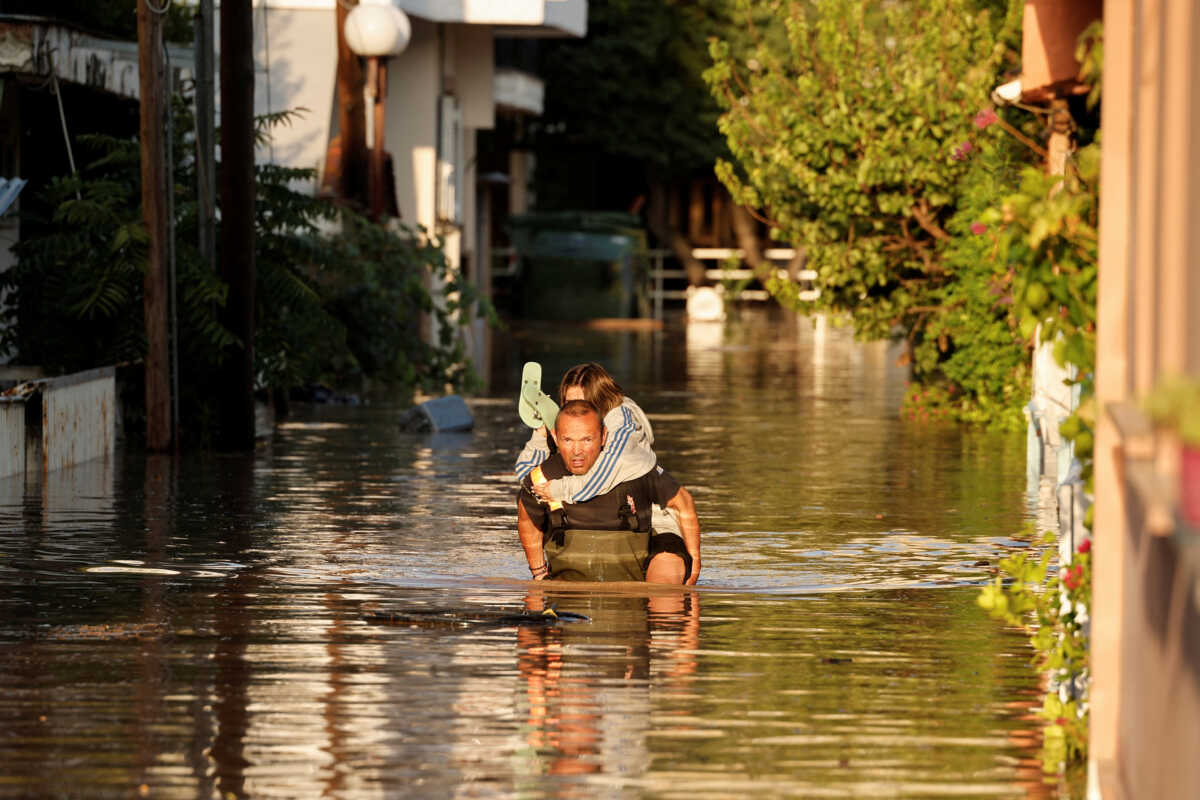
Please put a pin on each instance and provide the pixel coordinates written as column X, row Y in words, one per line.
column 598, row 386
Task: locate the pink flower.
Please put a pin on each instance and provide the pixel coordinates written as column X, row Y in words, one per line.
column 960, row 152
column 978, row 228
column 984, row 118
column 1085, row 546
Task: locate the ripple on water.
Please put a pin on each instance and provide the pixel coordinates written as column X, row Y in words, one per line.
column 209, row 627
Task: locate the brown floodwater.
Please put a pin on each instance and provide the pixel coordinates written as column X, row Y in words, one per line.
column 340, row 614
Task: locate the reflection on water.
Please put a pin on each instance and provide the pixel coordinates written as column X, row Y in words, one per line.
column 212, row 627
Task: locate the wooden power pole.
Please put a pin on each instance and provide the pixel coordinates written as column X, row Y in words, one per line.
column 236, row 389
column 206, row 173
column 151, row 74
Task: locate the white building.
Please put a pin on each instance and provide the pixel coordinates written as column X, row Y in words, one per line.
column 441, row 91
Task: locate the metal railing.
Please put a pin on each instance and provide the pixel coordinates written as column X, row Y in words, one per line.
column 659, row 274
column 505, row 266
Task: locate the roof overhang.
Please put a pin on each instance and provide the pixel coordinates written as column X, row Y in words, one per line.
column 513, row 18
column 42, row 47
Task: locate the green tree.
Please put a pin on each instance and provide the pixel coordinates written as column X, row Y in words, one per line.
column 335, row 308
column 864, row 135
column 114, row 18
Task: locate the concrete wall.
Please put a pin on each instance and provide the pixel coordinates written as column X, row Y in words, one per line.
column 59, row 423
column 12, row 438
column 1146, row 616
column 78, row 418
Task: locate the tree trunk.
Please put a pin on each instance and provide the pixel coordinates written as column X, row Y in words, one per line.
column 154, row 215
column 745, row 228
column 349, row 174
column 660, row 224
column 236, row 388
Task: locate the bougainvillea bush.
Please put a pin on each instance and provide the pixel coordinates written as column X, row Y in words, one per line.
column 865, row 136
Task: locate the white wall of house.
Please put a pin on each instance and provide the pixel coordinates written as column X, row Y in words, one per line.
column 295, row 67
column 440, row 92
column 411, row 123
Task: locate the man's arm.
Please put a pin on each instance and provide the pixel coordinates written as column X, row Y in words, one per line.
column 531, row 541
column 689, row 526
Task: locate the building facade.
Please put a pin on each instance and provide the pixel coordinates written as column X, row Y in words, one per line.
column 443, row 89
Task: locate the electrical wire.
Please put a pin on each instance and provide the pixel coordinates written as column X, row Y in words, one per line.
column 166, row 6
column 62, row 116
column 267, row 70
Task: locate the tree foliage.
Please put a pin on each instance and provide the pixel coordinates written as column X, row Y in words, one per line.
column 1053, row 609
column 633, row 87
column 865, row 136
column 339, row 298
column 1046, row 233
column 115, row 18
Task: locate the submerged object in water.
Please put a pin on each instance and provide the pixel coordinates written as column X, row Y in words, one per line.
column 449, row 413
column 468, row 619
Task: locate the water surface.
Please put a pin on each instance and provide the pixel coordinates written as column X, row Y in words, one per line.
column 318, row 619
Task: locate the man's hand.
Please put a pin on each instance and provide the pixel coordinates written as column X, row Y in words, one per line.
column 689, row 526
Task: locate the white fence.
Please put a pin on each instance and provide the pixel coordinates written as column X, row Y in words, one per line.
column 659, row 274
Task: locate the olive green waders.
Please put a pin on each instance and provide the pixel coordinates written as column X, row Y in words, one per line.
column 580, row 555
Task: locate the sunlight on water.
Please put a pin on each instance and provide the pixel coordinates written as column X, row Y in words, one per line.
column 345, row 614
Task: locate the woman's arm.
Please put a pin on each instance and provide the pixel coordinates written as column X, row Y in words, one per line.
column 535, row 452
column 626, row 455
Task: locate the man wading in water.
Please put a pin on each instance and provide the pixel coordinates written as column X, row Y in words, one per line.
column 609, row 537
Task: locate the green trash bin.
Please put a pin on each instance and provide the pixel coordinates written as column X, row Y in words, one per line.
column 580, row 265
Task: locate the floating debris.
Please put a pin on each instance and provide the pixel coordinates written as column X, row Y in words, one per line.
column 468, row 619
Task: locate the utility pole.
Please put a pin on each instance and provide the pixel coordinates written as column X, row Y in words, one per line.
column 236, row 389
column 151, row 72
column 206, row 173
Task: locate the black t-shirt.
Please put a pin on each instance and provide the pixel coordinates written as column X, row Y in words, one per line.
column 602, row 513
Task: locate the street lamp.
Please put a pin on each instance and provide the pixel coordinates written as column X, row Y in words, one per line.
column 377, row 29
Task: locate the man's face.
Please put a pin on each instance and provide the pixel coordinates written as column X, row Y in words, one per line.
column 580, row 440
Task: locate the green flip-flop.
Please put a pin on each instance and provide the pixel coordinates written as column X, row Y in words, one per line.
column 534, row 406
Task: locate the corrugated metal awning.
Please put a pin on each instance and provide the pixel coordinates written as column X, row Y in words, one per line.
column 45, row 47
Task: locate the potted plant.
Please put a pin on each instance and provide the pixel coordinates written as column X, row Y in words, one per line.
column 1176, row 403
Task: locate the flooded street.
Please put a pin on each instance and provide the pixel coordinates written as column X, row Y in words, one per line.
column 326, row 617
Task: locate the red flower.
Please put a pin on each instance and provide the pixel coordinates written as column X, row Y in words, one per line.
column 984, row 118
column 1073, row 577
column 1085, row 546
column 978, row 228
